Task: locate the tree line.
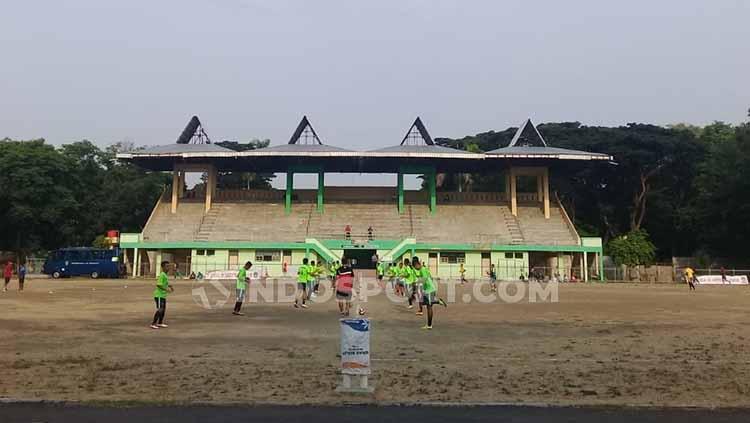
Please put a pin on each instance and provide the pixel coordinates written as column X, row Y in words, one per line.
column 679, row 190
column 674, row 191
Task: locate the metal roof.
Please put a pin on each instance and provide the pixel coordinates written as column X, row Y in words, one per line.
column 527, row 147
column 177, row 149
column 418, row 143
column 545, row 152
column 426, row 151
column 297, row 150
column 528, row 143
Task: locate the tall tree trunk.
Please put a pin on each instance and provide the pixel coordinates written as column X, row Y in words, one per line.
column 639, row 198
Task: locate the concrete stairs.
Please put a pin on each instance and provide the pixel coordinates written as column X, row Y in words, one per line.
column 206, row 227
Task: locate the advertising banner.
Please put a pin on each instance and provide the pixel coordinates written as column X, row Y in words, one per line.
column 716, row 280
column 355, row 346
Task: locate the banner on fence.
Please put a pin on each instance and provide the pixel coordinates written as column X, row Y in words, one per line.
column 355, row 346
column 225, row 275
column 717, row 280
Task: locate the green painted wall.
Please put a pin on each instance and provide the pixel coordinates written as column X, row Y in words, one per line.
column 207, row 263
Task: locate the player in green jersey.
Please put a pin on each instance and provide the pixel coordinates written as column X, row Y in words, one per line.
column 429, row 291
column 163, row 288
column 303, row 274
column 242, row 280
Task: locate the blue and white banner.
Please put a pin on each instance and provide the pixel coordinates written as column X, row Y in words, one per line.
column 355, row 346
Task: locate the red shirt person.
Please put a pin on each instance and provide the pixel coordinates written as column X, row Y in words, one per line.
column 7, row 274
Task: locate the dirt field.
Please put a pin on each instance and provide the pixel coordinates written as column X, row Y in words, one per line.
column 600, row 344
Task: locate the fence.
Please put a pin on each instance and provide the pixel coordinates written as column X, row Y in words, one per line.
column 443, row 271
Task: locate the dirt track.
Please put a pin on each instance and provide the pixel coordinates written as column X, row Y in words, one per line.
column 613, row 344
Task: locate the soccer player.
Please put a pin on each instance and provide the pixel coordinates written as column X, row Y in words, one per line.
column 160, row 297
column 380, row 270
column 344, row 285
column 722, row 271
column 409, row 282
column 242, row 280
column 400, row 274
column 391, row 273
column 303, row 275
column 312, row 277
column 318, row 272
column 462, row 272
column 493, row 278
column 690, row 277
column 429, row 291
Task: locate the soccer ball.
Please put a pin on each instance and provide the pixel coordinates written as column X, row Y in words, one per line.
column 361, row 311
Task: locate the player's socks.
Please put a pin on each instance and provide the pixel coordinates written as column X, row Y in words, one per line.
column 442, row 303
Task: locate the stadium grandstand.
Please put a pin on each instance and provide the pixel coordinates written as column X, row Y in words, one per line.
column 519, row 227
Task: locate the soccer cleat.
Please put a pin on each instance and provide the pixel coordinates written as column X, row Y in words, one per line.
column 410, row 307
column 163, row 325
column 427, row 327
column 296, row 305
column 238, row 313
column 154, row 327
column 304, row 305
column 419, row 313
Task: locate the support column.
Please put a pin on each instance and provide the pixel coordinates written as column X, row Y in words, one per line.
column 546, row 192
column 585, row 266
column 431, row 183
column 400, row 191
column 181, row 184
column 175, row 189
column 136, row 262
column 288, row 195
column 539, row 188
column 600, row 260
column 513, row 199
column 321, row 185
column 210, row 187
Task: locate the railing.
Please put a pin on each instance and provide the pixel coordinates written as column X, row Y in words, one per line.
column 527, row 197
column 243, row 195
column 471, row 197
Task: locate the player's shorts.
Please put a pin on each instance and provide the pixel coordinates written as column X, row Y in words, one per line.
column 301, row 286
column 429, row 299
column 240, row 293
column 399, row 282
column 344, row 296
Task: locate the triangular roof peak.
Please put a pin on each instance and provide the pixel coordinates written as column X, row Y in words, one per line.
column 417, row 134
column 305, row 134
column 193, row 133
column 527, row 136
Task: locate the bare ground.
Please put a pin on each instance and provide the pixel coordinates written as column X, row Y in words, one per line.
column 600, row 344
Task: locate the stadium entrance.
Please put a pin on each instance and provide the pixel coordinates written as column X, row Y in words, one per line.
column 360, row 258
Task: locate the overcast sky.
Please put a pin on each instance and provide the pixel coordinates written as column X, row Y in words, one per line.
column 137, row 70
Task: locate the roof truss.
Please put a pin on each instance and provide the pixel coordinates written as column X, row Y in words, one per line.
column 417, row 134
column 305, row 134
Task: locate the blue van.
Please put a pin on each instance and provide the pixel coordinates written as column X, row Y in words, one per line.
column 94, row 262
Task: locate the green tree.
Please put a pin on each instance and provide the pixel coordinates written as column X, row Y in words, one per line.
column 632, row 249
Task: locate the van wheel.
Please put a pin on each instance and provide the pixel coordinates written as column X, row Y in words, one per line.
column 56, row 275
column 94, row 275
